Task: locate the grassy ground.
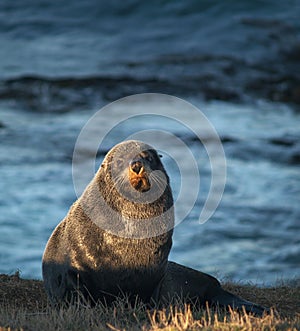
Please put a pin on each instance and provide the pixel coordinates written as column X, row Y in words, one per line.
column 23, row 306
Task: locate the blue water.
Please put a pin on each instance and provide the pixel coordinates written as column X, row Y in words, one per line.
column 237, row 61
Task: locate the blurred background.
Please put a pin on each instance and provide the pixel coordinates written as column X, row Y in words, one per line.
column 237, row 61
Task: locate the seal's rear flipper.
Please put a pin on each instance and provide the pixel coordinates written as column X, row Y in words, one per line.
column 227, row 299
column 200, row 288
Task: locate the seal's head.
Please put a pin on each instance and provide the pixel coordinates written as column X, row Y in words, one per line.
column 135, row 171
column 130, row 196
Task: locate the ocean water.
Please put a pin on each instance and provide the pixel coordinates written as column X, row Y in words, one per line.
column 237, row 62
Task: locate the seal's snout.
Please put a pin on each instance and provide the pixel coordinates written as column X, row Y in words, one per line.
column 138, row 175
column 137, row 167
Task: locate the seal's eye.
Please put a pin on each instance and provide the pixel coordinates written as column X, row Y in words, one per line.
column 147, row 156
column 119, row 163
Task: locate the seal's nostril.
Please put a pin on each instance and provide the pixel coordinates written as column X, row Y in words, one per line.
column 136, row 166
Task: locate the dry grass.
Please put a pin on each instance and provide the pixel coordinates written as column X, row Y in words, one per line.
column 23, row 306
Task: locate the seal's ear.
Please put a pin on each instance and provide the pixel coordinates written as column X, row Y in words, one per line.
column 160, row 155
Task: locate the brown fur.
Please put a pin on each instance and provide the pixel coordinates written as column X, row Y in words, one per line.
column 114, row 241
column 103, row 247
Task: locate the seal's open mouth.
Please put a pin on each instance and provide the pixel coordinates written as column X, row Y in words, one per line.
column 138, row 176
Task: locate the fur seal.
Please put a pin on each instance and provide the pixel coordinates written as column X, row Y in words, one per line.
column 117, row 236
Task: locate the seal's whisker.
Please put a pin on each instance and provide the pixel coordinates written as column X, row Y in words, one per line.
column 121, row 184
column 118, row 184
column 157, row 180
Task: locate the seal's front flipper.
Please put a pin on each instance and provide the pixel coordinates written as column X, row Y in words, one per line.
column 226, row 299
column 199, row 288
